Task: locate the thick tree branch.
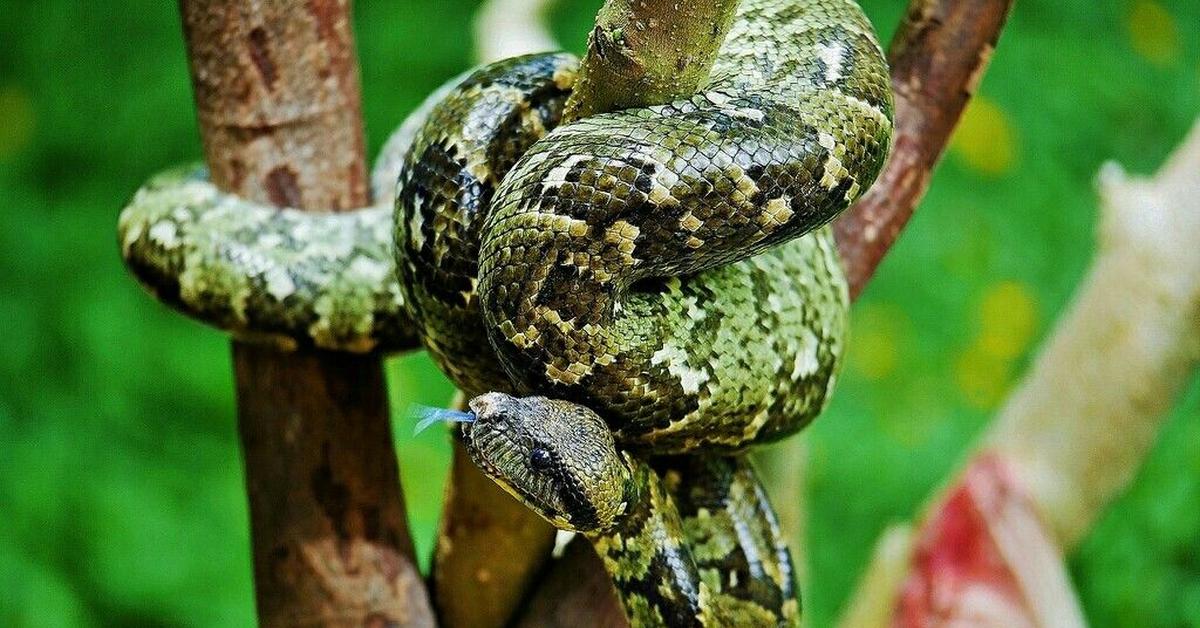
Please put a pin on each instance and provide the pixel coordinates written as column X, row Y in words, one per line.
column 277, row 96
column 938, row 57
column 1077, row 429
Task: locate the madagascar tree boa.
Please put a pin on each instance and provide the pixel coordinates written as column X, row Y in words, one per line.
column 661, row 278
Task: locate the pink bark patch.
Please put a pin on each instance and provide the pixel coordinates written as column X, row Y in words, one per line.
column 960, row 575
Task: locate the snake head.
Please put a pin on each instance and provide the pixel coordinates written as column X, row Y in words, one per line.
column 556, row 457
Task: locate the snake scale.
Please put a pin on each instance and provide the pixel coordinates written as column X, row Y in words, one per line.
column 633, row 298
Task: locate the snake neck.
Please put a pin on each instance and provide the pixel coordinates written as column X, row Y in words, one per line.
column 700, row 547
column 646, row 555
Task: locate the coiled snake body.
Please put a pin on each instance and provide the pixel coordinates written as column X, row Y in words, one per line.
column 662, row 278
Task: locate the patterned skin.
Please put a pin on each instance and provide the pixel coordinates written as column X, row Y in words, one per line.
column 669, row 269
column 688, row 540
column 648, row 263
column 662, row 275
column 287, row 276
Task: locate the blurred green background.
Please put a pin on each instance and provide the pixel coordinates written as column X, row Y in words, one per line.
column 121, row 495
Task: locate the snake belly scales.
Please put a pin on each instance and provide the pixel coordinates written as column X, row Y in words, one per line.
column 633, row 298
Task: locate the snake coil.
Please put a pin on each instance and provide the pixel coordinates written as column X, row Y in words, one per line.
column 634, row 298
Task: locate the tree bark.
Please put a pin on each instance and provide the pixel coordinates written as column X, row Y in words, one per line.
column 278, row 102
column 648, row 52
column 938, row 57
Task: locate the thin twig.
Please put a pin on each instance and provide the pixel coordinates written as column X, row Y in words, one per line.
column 277, row 97
column 938, row 57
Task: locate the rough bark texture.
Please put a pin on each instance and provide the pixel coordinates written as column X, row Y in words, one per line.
column 938, row 56
column 331, row 543
column 277, row 95
column 648, row 52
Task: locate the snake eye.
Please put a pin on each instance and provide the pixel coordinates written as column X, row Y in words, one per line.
column 540, row 459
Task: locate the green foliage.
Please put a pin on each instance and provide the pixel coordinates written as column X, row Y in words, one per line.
column 120, row 479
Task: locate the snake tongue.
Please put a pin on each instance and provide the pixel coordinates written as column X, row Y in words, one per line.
column 429, row 416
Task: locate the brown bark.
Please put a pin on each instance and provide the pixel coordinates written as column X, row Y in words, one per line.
column 277, row 95
column 577, row 591
column 938, row 57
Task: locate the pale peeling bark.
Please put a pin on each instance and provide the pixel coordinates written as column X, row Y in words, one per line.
column 1077, row 429
column 1074, row 433
column 508, row 28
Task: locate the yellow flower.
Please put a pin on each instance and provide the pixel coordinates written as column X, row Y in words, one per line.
column 1153, row 33
column 985, row 139
column 16, row 120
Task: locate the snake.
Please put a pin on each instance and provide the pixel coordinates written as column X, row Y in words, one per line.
column 632, row 300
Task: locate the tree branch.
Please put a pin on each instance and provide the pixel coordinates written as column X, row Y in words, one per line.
column 648, row 52
column 938, row 57
column 1077, row 429
column 277, row 97
column 508, row 28
column 1074, row 433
